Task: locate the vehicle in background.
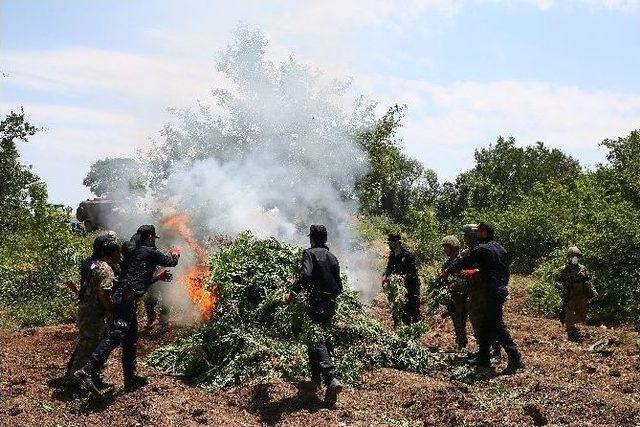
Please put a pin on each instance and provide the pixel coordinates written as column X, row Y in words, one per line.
column 96, row 214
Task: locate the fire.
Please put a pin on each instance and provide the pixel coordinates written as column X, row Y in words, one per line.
column 196, row 275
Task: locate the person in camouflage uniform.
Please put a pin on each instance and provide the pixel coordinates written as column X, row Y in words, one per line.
column 457, row 308
column 98, row 274
column 156, row 297
column 574, row 282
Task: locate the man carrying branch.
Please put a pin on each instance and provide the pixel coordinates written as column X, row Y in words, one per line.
column 320, row 282
column 402, row 263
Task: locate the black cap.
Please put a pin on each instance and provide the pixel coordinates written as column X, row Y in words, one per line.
column 319, row 233
column 393, row 237
column 147, row 230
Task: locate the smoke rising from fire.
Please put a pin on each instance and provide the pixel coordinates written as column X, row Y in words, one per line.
column 273, row 153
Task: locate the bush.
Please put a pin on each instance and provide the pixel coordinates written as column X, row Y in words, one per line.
column 254, row 335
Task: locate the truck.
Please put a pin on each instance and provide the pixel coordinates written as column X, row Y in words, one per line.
column 96, row 214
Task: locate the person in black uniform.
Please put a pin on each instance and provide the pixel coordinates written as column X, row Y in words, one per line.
column 403, row 263
column 141, row 259
column 320, row 282
column 493, row 262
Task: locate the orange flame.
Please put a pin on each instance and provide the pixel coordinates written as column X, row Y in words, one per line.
column 196, row 275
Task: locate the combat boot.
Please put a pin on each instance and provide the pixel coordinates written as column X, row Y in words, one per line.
column 85, row 377
column 514, row 363
column 333, row 390
column 100, row 382
column 133, row 382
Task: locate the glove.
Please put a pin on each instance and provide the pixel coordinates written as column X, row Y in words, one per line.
column 468, row 274
column 164, row 276
column 175, row 251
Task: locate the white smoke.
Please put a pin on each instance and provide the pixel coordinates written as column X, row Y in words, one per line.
column 274, row 154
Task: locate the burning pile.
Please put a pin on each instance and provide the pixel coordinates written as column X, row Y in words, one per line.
column 197, row 275
column 254, row 335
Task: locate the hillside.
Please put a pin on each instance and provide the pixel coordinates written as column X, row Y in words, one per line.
column 564, row 383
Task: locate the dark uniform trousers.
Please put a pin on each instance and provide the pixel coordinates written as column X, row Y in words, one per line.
column 493, row 328
column 123, row 331
column 412, row 308
column 321, row 365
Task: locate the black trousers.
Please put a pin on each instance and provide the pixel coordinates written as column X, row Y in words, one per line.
column 123, row 331
column 320, row 361
column 412, row 306
column 493, row 328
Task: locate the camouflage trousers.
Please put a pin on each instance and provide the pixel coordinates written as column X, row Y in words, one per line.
column 575, row 311
column 91, row 327
column 459, row 314
column 154, row 298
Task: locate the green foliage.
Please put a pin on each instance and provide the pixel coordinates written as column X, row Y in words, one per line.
column 254, row 334
column 396, row 294
column 543, row 297
column 436, row 293
column 395, row 183
column 115, row 177
column 37, row 248
column 539, row 228
column 502, row 175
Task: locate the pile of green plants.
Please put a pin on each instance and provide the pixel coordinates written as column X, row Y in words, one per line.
column 253, row 334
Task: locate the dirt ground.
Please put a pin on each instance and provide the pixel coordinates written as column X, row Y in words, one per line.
column 564, row 383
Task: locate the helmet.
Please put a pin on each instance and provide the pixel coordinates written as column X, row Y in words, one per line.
column 573, row 251
column 451, row 241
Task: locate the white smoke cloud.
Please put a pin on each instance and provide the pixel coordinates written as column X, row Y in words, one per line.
column 274, row 154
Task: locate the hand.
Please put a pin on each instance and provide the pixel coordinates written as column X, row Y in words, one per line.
column 443, row 275
column 175, row 251
column 287, row 297
column 383, row 281
column 164, row 276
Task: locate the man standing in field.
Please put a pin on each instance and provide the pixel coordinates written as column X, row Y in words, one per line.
column 320, row 282
column 493, row 262
column 402, row 262
column 574, row 282
column 476, row 294
column 98, row 274
column 139, row 265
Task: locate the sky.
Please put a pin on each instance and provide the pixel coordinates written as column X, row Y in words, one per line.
column 98, row 77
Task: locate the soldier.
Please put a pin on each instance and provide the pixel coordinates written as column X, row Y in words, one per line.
column 155, row 298
column 457, row 309
column 139, row 265
column 98, row 274
column 403, row 263
column 574, row 282
column 493, row 262
column 321, row 284
column 476, row 294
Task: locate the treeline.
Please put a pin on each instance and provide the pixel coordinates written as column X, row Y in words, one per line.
column 37, row 248
column 540, row 199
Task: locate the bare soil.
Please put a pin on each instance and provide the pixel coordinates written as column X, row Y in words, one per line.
column 564, row 383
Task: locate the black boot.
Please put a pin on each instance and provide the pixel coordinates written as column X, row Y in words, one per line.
column 514, row 363
column 133, row 382
column 100, row 383
column 85, row 376
column 333, row 390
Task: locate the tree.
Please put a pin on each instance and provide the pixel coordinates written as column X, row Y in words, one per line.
column 502, row 175
column 22, row 194
column 623, row 171
column 395, row 183
column 115, row 178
